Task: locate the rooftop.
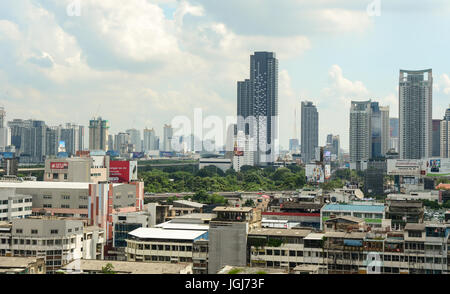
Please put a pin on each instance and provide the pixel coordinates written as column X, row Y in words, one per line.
column 414, row 227
column 16, row 262
column 280, row 232
column 232, row 209
column 158, row 233
column 128, row 267
column 189, row 203
column 353, row 207
column 183, row 226
column 315, row 236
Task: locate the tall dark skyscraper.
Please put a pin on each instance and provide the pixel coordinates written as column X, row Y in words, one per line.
column 436, row 146
column 309, row 131
column 258, row 99
column 415, row 113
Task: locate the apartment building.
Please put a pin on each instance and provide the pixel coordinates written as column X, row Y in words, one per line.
column 57, row 241
column 281, row 248
column 160, row 245
column 13, row 205
column 418, row 249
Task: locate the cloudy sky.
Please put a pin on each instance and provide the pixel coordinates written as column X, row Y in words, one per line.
column 140, row 63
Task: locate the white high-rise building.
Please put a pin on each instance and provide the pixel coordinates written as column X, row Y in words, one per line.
column 150, row 140
column 5, row 132
column 415, row 113
column 135, row 139
column 167, row 139
column 244, row 151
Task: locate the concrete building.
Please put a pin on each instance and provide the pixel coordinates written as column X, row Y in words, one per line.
column 73, row 137
column 404, row 211
column 276, row 248
column 90, row 169
column 445, row 135
column 221, row 163
column 167, row 139
column 160, row 245
column 309, row 131
column 372, row 213
column 58, row 241
column 135, row 139
column 22, row 265
column 228, row 236
column 436, row 138
column 257, row 108
column 150, row 140
column 14, row 205
column 98, row 134
column 360, row 131
column 244, row 151
column 126, row 267
column 415, row 113
column 385, row 130
column 394, row 134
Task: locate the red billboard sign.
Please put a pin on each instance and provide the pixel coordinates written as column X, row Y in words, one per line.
column 59, row 165
column 119, row 171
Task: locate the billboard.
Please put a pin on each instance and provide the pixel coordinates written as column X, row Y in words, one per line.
column 327, row 172
column 113, row 153
column 406, row 167
column 122, row 171
column 138, row 154
column 59, row 165
column 62, row 146
column 7, row 155
column 438, row 167
column 314, row 173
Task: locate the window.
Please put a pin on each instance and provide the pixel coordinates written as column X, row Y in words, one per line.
column 47, row 197
column 19, row 231
column 47, row 205
column 53, row 232
column 415, row 234
column 65, row 206
column 65, row 197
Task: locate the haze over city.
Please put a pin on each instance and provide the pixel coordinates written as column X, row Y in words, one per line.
column 140, row 63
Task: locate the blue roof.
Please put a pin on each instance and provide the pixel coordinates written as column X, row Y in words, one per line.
column 352, row 207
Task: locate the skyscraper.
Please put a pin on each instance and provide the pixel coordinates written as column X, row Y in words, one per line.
column 415, row 113
column 167, row 139
column 98, row 134
column 135, row 138
column 5, row 132
column 360, row 130
column 309, row 131
column 394, row 139
column 445, row 135
column 258, row 105
column 436, row 138
column 264, row 99
column 385, row 130
column 70, row 134
column 150, row 140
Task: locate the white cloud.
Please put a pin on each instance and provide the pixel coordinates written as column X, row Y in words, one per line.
column 445, row 82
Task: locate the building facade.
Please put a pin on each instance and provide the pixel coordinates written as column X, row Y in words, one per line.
column 309, row 131
column 415, row 113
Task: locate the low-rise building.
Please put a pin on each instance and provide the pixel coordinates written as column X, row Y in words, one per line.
column 126, row 267
column 404, row 211
column 22, row 265
column 372, row 213
column 160, row 245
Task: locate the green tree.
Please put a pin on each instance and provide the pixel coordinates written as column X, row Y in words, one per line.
column 108, row 269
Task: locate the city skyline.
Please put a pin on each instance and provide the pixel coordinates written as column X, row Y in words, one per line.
column 139, row 83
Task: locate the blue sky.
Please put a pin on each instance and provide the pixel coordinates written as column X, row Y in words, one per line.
column 140, row 63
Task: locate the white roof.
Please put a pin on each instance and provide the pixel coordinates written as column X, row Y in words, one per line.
column 314, row 236
column 158, row 233
column 189, row 203
column 46, row 185
column 183, row 226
